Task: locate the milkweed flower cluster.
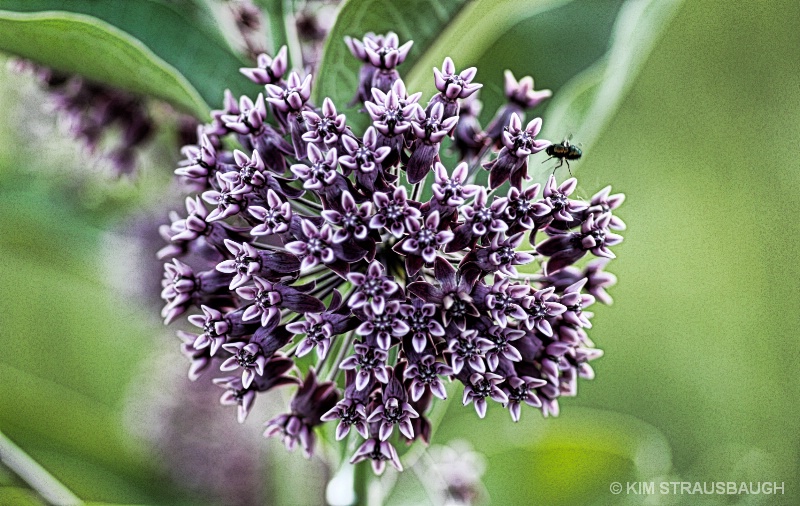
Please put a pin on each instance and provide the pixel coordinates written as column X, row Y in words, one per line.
column 312, row 243
column 90, row 110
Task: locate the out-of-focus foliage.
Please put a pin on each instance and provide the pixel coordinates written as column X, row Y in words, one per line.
column 176, row 48
column 701, row 344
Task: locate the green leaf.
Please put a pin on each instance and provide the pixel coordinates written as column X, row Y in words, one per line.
column 588, row 102
column 151, row 36
column 98, row 51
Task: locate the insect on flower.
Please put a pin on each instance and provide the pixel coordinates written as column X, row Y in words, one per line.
column 565, row 151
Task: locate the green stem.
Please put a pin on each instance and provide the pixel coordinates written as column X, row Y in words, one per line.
column 282, row 29
column 361, row 480
column 37, row 477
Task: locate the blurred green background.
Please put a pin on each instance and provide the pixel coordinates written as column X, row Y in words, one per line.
column 699, row 379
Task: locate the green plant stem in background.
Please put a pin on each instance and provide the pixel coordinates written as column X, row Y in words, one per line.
column 35, row 475
column 361, row 480
column 282, row 29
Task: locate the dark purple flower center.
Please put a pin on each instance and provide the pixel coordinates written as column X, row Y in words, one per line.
column 426, row 373
column 383, row 322
column 243, row 262
column 316, row 246
column 506, row 255
column 246, row 175
column 349, row 415
column 245, row 359
column 210, row 329
column 459, row 307
column 467, row 349
column 319, row 170
column 263, row 299
column 426, row 237
column 518, row 394
column 482, row 388
column 368, row 361
column 392, row 410
column 418, row 322
column 363, row 156
column 559, row 201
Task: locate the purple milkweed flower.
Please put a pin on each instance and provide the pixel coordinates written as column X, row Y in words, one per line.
column 371, row 364
column 320, row 328
column 200, row 162
column 250, row 175
column 322, row 172
column 602, row 203
column 250, row 117
column 512, row 161
column 289, row 102
column 392, row 113
column 556, row 204
column 269, row 297
column 194, row 225
column 200, row 360
column 317, row 247
column 249, row 357
column 310, row 402
column 541, row 306
column 379, row 452
column 479, row 387
column 327, row 130
column 273, row 217
column 380, row 328
column 236, row 394
column 422, row 242
column 372, row 288
column 567, row 248
column 215, row 329
column 228, row 201
column 575, row 302
column 500, row 255
column 394, row 408
column 293, row 97
column 269, row 70
column 520, row 96
column 421, row 284
column 479, row 221
column 504, row 300
column 393, row 212
column 519, row 390
column 426, row 372
column 353, row 220
column 365, row 159
column 429, row 129
column 183, row 288
column 350, row 411
column 502, row 347
column 422, row 324
column 248, row 261
column 468, row 348
column 452, row 296
column 450, row 192
column 452, row 86
column 521, row 208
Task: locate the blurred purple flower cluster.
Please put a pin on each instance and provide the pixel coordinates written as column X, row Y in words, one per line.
column 310, row 238
column 90, row 110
